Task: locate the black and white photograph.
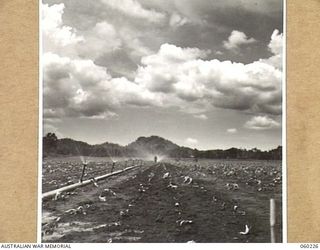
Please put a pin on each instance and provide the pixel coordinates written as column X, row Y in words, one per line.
column 162, row 121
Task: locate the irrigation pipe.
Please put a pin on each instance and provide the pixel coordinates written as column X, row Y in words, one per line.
column 53, row 193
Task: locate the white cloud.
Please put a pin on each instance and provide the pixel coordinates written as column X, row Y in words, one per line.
column 174, row 54
column 183, row 78
column 191, row 141
column 261, row 123
column 135, row 48
column 102, row 38
column 275, row 44
column 159, row 72
column 176, row 20
column 275, row 47
column 135, row 9
column 232, row 130
column 201, row 117
column 54, row 32
column 172, row 77
column 236, row 39
column 79, row 88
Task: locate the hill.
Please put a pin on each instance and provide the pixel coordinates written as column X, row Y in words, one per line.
column 153, row 145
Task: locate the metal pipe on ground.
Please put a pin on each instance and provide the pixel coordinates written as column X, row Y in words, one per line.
column 53, row 193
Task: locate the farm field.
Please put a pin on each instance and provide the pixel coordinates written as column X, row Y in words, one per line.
column 169, row 201
column 59, row 172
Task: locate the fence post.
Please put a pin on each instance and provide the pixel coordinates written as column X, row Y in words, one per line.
column 272, row 220
column 83, row 169
column 113, row 165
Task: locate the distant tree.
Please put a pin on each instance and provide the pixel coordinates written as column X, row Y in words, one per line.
column 50, row 143
column 232, row 153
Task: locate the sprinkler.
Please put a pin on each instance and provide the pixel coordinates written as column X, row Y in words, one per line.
column 83, row 170
column 155, row 159
column 113, row 165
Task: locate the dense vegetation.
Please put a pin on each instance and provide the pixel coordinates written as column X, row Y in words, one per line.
column 153, row 145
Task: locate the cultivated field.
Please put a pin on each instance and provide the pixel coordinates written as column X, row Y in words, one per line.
column 171, row 201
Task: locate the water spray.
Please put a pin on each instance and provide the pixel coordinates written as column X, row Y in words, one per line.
column 68, row 188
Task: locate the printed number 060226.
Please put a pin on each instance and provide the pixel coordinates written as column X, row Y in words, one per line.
column 309, row 245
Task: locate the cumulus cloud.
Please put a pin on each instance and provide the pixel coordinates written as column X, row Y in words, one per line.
column 181, row 76
column 113, row 58
column 79, row 88
column 174, row 54
column 275, row 47
column 78, row 84
column 172, row 77
column 232, row 130
column 134, row 9
column 95, row 43
column 133, row 45
column 261, row 123
column 191, row 141
column 54, row 31
column 275, row 44
column 102, row 38
column 236, row 39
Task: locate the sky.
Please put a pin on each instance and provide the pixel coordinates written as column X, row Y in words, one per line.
column 205, row 74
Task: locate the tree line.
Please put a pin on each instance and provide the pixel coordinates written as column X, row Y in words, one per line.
column 52, row 146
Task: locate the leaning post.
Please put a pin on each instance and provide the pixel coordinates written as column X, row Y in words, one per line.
column 113, row 165
column 83, row 170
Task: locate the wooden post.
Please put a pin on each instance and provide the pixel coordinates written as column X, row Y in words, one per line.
column 113, row 165
column 272, row 220
column 83, row 169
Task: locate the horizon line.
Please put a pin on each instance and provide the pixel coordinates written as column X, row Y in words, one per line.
column 193, row 148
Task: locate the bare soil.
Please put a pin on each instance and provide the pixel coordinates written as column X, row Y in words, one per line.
column 156, row 203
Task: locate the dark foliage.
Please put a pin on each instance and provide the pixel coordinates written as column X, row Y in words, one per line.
column 153, row 145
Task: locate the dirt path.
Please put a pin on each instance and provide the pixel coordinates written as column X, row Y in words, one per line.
column 158, row 203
